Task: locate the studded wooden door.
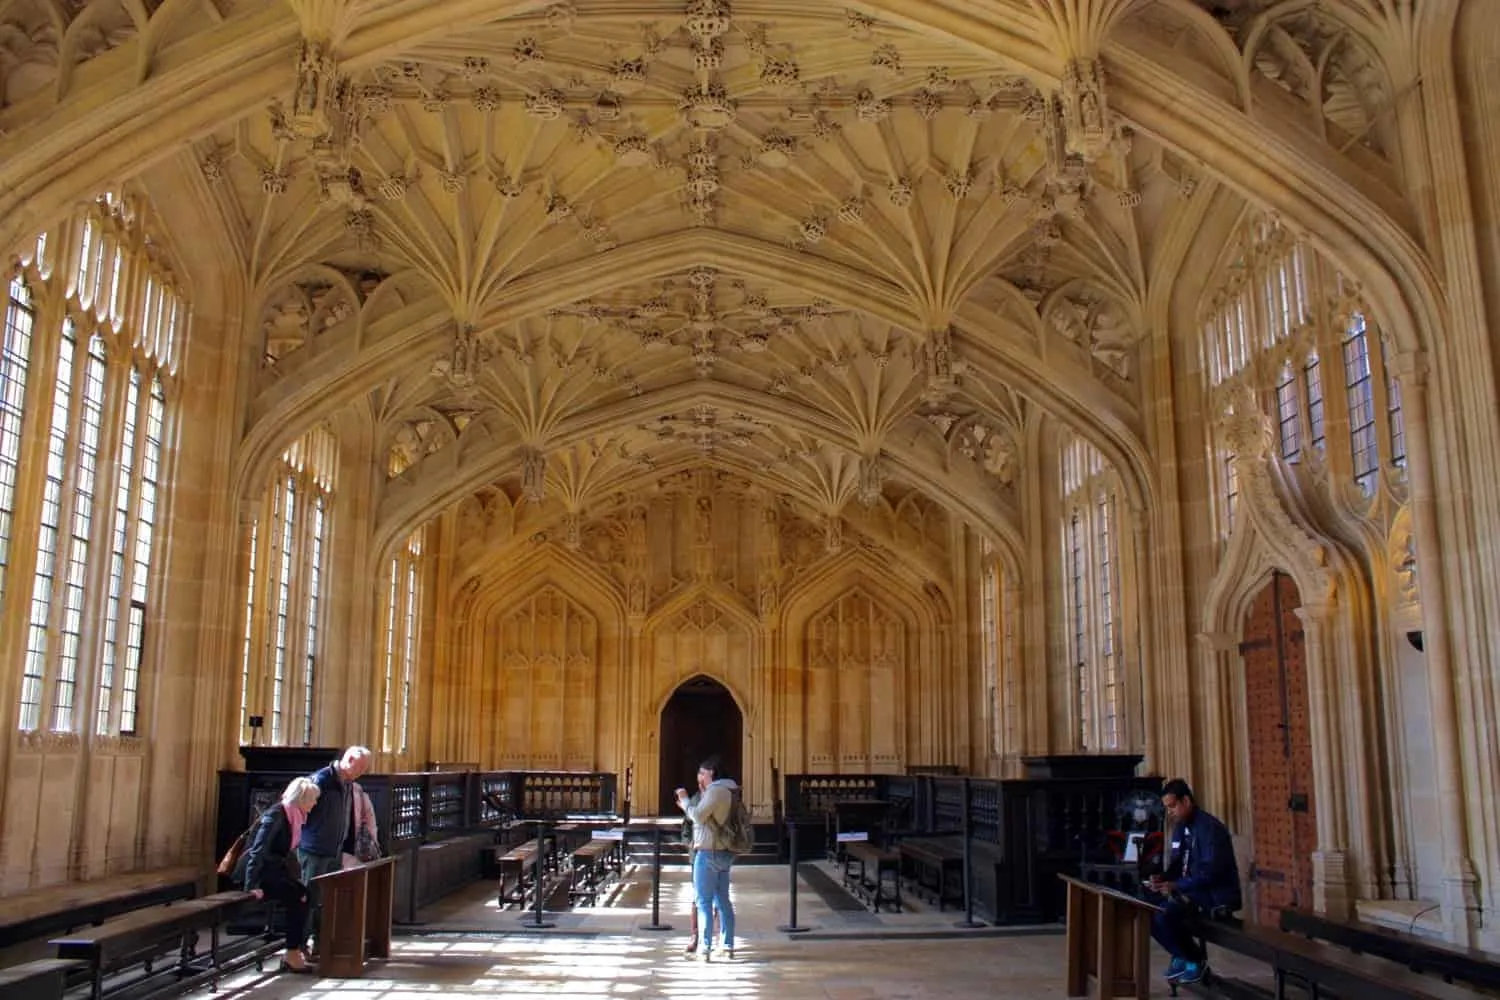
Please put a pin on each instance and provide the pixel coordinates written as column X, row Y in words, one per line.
column 1280, row 742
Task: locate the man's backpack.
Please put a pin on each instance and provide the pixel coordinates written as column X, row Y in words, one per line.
column 738, row 833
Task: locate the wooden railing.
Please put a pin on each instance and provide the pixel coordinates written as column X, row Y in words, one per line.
column 428, row 806
column 1026, row 831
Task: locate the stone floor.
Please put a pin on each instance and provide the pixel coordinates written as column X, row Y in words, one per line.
column 467, row 948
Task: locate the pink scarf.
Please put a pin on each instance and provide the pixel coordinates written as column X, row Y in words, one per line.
column 296, row 817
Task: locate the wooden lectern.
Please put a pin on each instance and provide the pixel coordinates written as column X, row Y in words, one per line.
column 356, row 921
column 1109, row 942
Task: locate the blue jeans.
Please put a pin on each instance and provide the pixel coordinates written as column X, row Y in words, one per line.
column 711, row 885
column 1170, row 927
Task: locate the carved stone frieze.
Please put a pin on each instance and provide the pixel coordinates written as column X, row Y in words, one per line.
column 708, row 429
column 1250, row 436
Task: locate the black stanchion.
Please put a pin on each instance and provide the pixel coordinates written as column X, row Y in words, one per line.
column 968, row 920
column 656, row 924
column 629, row 788
column 535, row 921
column 791, row 927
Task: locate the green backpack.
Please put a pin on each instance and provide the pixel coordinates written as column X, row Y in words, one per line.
column 737, row 835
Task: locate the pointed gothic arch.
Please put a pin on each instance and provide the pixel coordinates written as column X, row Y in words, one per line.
column 1272, row 533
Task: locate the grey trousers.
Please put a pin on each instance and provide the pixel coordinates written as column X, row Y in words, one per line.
column 314, row 865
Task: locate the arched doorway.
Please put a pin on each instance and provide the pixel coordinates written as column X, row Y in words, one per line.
column 699, row 720
column 1282, row 812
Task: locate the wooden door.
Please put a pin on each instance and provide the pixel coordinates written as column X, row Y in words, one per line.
column 700, row 720
column 1280, row 742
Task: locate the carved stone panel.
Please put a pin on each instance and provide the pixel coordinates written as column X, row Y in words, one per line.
column 856, row 669
column 547, row 684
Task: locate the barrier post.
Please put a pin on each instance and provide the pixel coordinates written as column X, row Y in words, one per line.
column 536, row 922
column 791, row 926
column 656, row 924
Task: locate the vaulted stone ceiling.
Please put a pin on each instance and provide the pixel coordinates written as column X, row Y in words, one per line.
column 589, row 240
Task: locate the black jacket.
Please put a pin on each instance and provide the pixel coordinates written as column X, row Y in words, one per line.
column 1202, row 862
column 328, row 823
column 269, row 858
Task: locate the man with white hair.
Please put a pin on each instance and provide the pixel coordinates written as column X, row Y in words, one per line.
column 321, row 847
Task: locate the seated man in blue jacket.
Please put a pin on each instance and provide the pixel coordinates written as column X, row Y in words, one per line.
column 1201, row 877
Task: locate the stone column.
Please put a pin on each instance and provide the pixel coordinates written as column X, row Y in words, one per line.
column 1331, row 892
column 1460, row 881
column 1217, row 778
column 348, row 709
column 1018, row 744
column 1135, row 645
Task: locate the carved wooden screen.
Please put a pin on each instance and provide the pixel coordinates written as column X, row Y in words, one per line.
column 856, row 668
column 548, row 684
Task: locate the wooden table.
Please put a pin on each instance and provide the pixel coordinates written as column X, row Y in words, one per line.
column 356, row 922
column 1109, row 942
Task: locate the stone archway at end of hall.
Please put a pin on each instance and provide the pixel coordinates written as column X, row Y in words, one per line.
column 700, row 719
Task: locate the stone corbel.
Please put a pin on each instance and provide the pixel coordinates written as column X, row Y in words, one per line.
column 534, row 475
column 1088, row 127
column 871, row 481
column 938, row 364
column 1219, row 642
column 833, row 534
column 323, row 98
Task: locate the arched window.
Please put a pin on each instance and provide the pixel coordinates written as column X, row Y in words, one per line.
column 1289, row 336
column 35, row 672
column 402, row 632
column 1091, row 577
column 1363, row 448
column 989, row 640
column 285, row 592
column 15, row 359
column 85, row 652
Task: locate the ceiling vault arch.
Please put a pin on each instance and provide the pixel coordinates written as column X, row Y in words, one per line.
column 82, row 139
column 435, row 490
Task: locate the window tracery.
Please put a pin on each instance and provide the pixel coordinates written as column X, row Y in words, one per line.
column 285, row 587
column 1091, row 579
column 93, row 323
column 1280, row 310
column 402, row 633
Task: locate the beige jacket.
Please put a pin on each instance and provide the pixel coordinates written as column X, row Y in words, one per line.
column 710, row 814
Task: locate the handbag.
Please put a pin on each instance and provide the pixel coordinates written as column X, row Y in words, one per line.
column 361, row 843
column 366, row 848
column 230, row 862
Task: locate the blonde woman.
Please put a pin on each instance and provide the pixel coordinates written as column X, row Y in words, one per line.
column 271, row 866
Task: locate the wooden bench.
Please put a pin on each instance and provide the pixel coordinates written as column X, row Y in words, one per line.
column 1468, row 965
column 936, row 870
column 41, row 917
column 144, row 936
column 44, row 979
column 1324, row 969
column 592, row 866
column 873, row 875
column 517, row 868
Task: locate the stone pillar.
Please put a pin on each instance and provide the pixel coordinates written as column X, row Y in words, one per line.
column 1135, row 646
column 1460, row 882
column 1217, row 778
column 348, row 711
column 1331, row 890
column 1014, row 745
